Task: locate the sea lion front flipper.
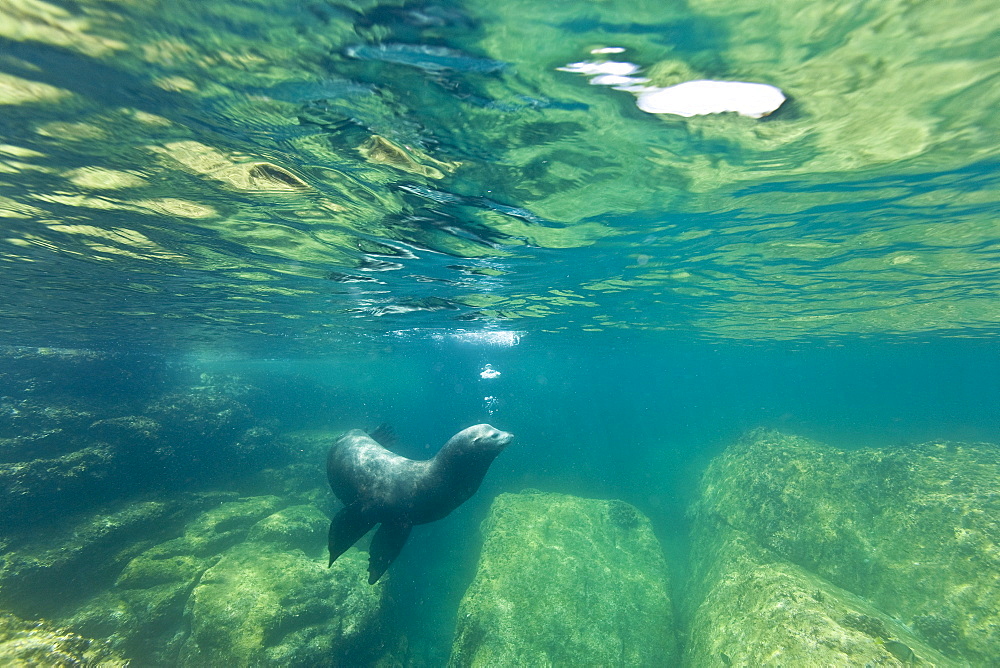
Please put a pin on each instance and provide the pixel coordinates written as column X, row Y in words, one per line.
column 386, row 545
column 346, row 528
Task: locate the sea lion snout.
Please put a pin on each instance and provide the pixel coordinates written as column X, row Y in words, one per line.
column 488, row 437
column 503, row 438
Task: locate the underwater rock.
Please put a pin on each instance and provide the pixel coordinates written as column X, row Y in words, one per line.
column 754, row 608
column 28, row 417
column 43, row 573
column 25, row 643
column 566, row 581
column 915, row 530
column 74, row 377
column 201, row 415
column 129, row 430
column 245, row 583
column 51, row 462
column 30, row 429
column 267, row 602
column 38, row 489
column 141, row 612
column 55, row 456
column 205, row 431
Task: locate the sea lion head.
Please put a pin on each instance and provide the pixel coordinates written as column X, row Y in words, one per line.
column 481, row 439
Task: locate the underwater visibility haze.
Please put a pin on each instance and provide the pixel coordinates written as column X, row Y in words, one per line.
column 727, row 271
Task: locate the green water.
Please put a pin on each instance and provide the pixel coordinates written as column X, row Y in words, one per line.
column 305, row 217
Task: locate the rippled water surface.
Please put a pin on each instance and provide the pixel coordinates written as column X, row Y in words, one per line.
column 283, row 175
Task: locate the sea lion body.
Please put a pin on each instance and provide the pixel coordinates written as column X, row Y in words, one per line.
column 380, row 487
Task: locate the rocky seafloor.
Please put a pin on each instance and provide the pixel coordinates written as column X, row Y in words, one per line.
column 171, row 527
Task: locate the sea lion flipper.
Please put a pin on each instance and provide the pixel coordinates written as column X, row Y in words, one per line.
column 386, row 546
column 347, row 527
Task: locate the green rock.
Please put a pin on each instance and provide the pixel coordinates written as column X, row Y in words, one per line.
column 27, row 416
column 266, row 602
column 25, row 643
column 219, row 528
column 38, row 488
column 67, row 562
column 142, row 612
column 292, row 528
column 915, row 530
column 198, row 415
column 569, row 582
column 55, row 455
column 756, row 609
column 246, row 583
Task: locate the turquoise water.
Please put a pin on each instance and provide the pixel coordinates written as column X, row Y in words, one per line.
column 356, row 207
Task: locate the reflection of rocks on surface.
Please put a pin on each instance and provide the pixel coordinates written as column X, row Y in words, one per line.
column 913, row 530
column 25, row 643
column 381, row 151
column 566, row 581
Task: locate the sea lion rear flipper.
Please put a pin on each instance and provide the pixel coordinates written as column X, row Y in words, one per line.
column 346, row 528
column 385, row 547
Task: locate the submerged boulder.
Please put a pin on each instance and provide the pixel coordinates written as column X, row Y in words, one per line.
column 267, row 602
column 25, row 643
column 55, row 455
column 76, row 376
column 914, row 530
column 566, row 581
column 140, row 612
column 756, row 609
column 43, row 573
column 246, row 583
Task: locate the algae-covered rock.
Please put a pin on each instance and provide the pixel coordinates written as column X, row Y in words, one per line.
column 756, row 609
column 28, row 417
column 37, row 489
column 245, row 584
column 74, row 376
column 267, row 602
column 914, row 529
column 79, row 454
column 40, row 574
column 25, row 643
column 569, row 582
column 141, row 613
column 262, row 605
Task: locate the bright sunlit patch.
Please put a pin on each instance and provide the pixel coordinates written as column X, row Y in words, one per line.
column 690, row 98
column 500, row 339
column 700, row 98
column 602, row 67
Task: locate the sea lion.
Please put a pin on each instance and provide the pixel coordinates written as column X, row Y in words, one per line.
column 379, row 487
